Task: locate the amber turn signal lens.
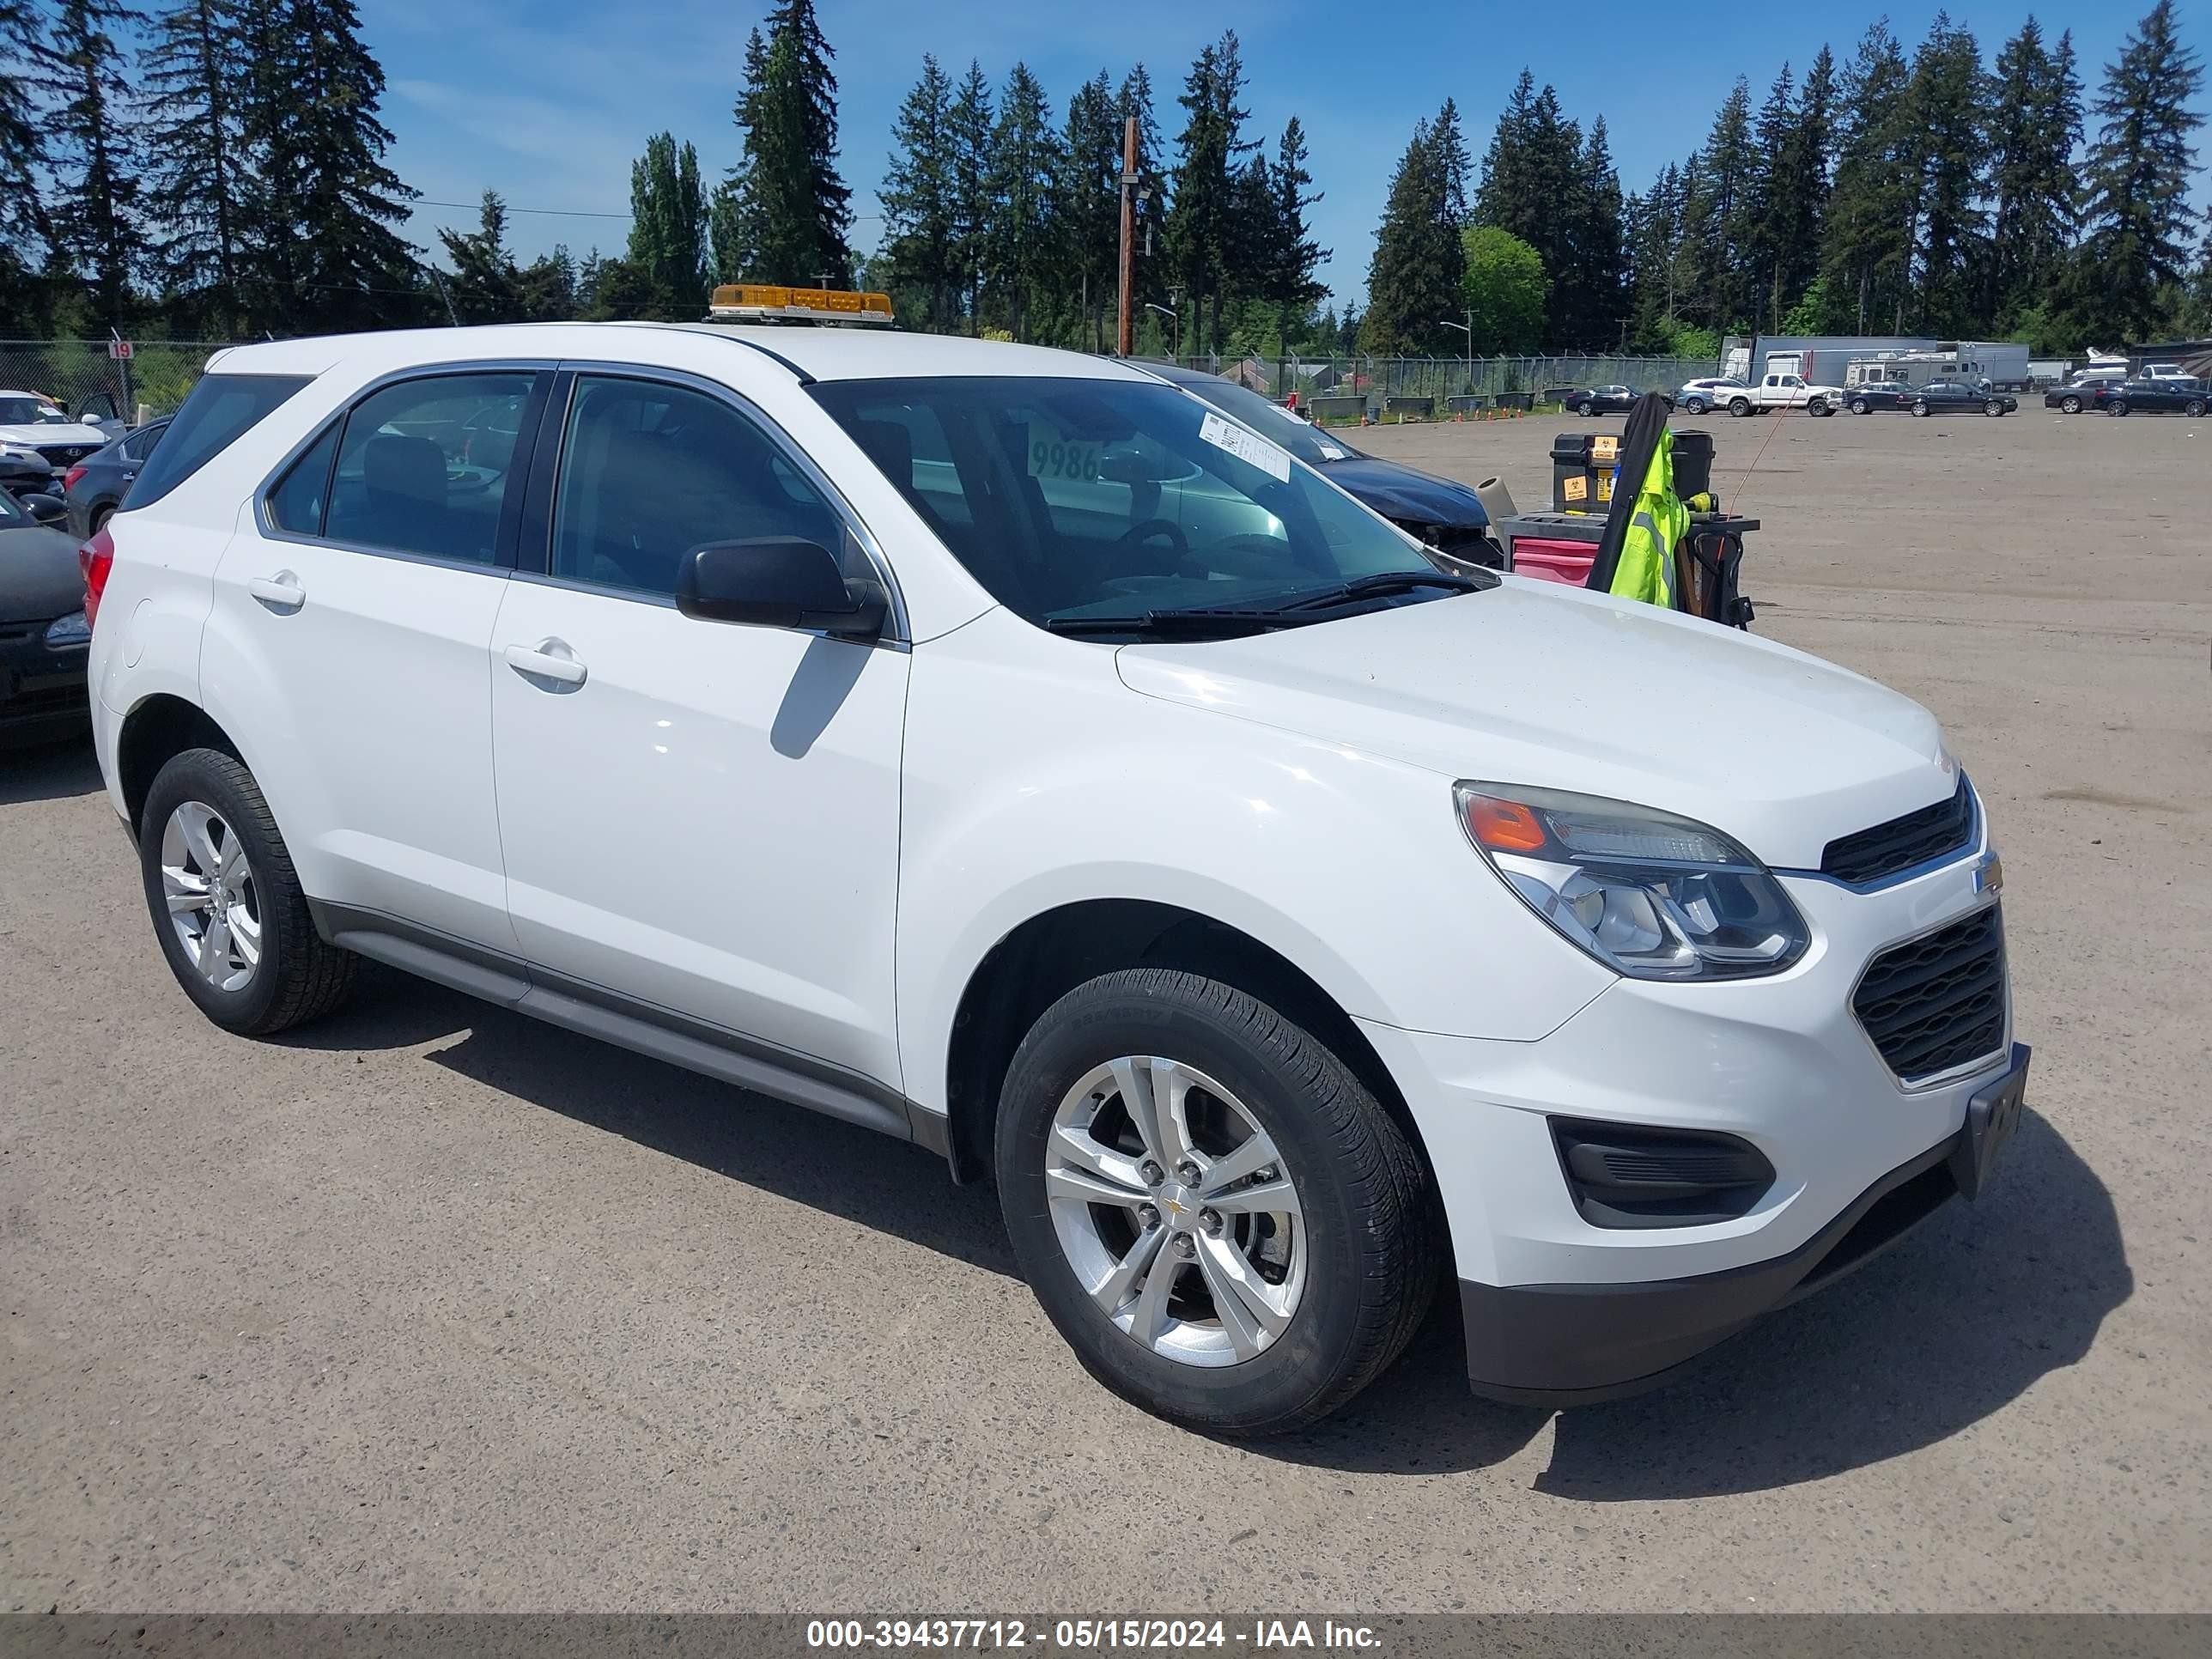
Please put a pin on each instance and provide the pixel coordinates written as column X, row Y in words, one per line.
column 1504, row 826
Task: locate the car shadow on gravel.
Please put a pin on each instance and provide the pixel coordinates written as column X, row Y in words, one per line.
column 838, row 1168
column 46, row 771
column 1948, row 1328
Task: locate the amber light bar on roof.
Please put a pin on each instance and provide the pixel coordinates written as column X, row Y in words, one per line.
column 770, row 302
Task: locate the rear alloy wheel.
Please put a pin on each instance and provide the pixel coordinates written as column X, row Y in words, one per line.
column 1220, row 1219
column 2071, row 405
column 2117, row 407
column 226, row 907
column 2194, row 409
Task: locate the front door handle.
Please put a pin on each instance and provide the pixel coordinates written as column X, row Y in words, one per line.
column 548, row 659
column 281, row 592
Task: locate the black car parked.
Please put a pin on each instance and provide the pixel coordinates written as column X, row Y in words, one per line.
column 95, row 486
column 1606, row 399
column 1959, row 397
column 1447, row 516
column 43, row 637
column 2158, row 396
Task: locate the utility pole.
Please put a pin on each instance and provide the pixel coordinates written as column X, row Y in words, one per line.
column 1129, row 231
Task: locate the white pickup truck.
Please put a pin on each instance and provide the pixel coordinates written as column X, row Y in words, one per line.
column 1786, row 391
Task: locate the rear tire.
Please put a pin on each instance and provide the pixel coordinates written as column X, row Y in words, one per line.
column 205, row 833
column 2194, row 409
column 1354, row 1257
column 2117, row 407
column 100, row 515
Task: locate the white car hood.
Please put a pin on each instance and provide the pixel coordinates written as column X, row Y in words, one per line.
column 35, row 436
column 1534, row 683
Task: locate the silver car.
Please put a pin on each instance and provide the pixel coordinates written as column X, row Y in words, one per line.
column 1695, row 397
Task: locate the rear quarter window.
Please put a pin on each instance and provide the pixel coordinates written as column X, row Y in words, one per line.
column 221, row 408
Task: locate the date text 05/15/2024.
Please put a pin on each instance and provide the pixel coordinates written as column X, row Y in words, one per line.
column 1089, row 1635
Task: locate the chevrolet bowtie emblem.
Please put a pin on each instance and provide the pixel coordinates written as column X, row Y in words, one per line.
column 1171, row 1205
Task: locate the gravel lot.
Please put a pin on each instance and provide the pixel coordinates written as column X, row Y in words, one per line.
column 430, row 1307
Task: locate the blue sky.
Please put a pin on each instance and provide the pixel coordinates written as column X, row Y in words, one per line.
column 548, row 103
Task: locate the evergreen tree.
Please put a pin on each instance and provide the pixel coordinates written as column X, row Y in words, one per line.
column 94, row 149
column 2138, row 176
column 1024, row 159
column 1087, row 205
column 1507, row 195
column 1587, row 303
column 196, row 71
column 484, row 286
column 1458, row 167
column 1200, row 220
column 795, row 209
column 1287, row 276
column 668, row 227
column 319, row 250
column 547, row 287
column 2035, row 125
column 918, row 197
column 1866, row 251
column 1414, row 281
column 1718, row 217
column 1944, row 105
column 734, row 230
column 971, row 124
column 25, row 236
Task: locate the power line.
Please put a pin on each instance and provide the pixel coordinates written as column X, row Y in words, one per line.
column 555, row 213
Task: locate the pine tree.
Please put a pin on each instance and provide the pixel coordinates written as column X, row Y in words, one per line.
column 971, row 121
column 1506, row 197
column 1287, row 278
column 319, row 252
column 1024, row 159
column 1866, row 251
column 197, row 72
column 1717, row 218
column 1414, row 281
column 2035, row 126
column 25, row 236
column 1655, row 240
column 733, row 231
column 93, row 148
column 1087, row 205
column 1587, row 303
column 2138, row 177
column 917, row 196
column 484, row 286
column 795, row 209
column 1945, row 108
column 1458, row 166
column 668, row 226
column 1199, row 221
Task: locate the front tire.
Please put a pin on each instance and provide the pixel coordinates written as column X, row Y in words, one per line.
column 1993, row 407
column 1740, row 407
column 2194, row 409
column 1694, row 406
column 226, row 903
column 1860, row 406
column 1219, row 1219
column 2118, row 406
column 2070, row 405
column 1921, row 411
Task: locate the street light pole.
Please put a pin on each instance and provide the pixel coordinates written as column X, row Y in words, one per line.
column 1168, row 312
column 1467, row 329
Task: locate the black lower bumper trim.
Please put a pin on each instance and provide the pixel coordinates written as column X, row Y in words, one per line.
column 1571, row 1345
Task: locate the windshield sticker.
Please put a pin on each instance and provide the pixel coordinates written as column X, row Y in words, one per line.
column 1248, row 447
column 1052, row 456
column 1331, row 453
column 48, row 412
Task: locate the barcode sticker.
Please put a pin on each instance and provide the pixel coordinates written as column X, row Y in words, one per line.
column 1248, row 447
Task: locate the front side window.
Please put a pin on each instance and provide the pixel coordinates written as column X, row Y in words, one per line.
column 414, row 474
column 649, row 472
column 1078, row 500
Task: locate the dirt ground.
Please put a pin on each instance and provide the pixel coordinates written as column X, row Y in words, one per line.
column 430, row 1307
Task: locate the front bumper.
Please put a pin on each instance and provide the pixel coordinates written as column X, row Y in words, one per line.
column 1572, row 1345
column 1782, row 1063
column 42, row 691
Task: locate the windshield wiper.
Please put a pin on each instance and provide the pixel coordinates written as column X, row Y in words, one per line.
column 1385, row 583
column 1178, row 624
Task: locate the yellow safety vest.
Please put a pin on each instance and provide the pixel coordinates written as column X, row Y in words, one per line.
column 1657, row 522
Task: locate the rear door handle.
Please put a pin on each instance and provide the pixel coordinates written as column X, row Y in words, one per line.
column 549, row 659
column 281, row 592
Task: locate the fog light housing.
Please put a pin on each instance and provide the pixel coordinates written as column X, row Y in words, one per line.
column 1626, row 1175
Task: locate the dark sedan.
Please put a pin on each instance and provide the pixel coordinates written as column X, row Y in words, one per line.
column 43, row 637
column 1607, row 399
column 1959, row 398
column 2157, row 397
column 1883, row 395
column 2082, row 394
column 95, row 487
column 1445, row 515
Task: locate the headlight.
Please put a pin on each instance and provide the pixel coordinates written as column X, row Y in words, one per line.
column 1650, row 894
column 72, row 629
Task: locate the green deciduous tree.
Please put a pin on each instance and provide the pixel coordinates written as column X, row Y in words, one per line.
column 1503, row 292
column 668, row 227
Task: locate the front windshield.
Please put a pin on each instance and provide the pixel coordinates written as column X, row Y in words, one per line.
column 30, row 411
column 1097, row 498
column 1300, row 437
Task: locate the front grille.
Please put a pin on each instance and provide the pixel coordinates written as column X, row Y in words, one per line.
column 1870, row 854
column 65, row 454
column 1938, row 1001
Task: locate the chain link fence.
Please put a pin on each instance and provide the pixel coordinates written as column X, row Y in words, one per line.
column 69, row 373
column 1382, row 387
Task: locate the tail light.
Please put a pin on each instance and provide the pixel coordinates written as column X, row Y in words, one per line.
column 95, row 558
column 70, row 477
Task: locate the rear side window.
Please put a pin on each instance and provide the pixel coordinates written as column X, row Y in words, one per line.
column 221, row 407
column 423, row 465
column 296, row 504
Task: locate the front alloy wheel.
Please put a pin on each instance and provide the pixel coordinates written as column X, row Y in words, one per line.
column 208, row 881
column 2070, row 405
column 1176, row 1211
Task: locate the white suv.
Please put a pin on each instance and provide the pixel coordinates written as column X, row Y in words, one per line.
column 1007, row 751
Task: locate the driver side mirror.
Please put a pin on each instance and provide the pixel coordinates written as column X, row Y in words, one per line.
column 778, row 581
